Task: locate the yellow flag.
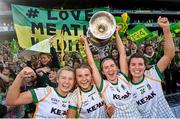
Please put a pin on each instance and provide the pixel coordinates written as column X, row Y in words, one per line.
column 124, row 17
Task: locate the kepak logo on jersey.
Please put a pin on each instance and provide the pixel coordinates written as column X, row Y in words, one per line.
column 146, row 99
column 95, row 107
column 58, row 111
column 116, row 96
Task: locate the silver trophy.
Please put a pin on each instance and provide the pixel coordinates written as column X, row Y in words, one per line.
column 102, row 26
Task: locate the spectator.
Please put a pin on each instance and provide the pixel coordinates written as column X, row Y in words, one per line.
column 114, row 54
column 150, row 55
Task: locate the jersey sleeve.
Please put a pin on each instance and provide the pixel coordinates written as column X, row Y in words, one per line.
column 73, row 100
column 39, row 93
column 155, row 73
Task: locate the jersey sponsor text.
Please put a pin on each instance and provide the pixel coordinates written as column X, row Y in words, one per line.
column 146, row 98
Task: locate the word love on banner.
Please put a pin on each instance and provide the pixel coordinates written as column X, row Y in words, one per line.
column 138, row 34
column 34, row 24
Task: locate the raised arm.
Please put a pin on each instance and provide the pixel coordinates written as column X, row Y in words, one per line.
column 55, row 61
column 122, row 52
column 95, row 71
column 169, row 49
column 14, row 97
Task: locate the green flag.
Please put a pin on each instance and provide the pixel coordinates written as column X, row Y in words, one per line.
column 138, row 34
column 14, row 47
column 175, row 27
column 160, row 38
column 153, row 36
column 123, row 22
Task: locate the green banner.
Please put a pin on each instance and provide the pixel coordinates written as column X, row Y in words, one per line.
column 138, row 34
column 34, row 24
column 153, row 36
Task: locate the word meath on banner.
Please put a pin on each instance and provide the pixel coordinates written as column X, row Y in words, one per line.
column 34, row 24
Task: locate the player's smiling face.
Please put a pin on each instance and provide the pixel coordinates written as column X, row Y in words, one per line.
column 66, row 81
column 84, row 78
column 137, row 68
column 110, row 70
